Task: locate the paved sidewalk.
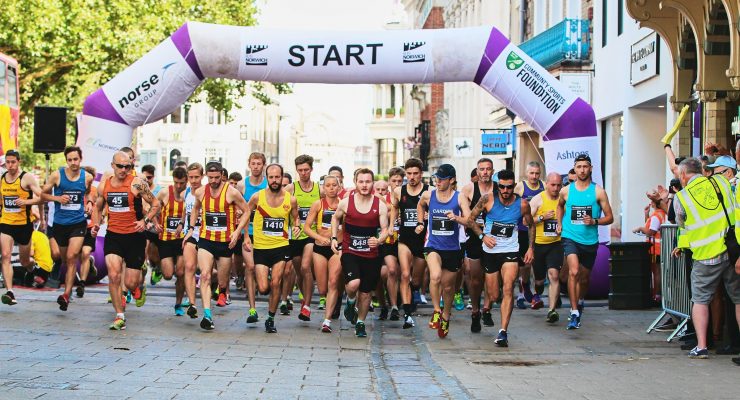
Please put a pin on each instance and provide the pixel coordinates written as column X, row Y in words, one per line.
column 46, row 353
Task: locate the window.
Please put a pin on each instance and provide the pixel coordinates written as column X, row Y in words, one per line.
column 574, row 9
column 620, row 17
column 12, row 87
column 556, row 12
column 186, row 113
column 393, row 97
column 211, row 115
column 540, row 16
column 3, row 98
column 603, row 22
column 243, row 132
column 386, row 154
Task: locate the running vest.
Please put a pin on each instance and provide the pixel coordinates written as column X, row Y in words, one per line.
column 12, row 191
column 546, row 231
column 189, row 202
column 527, row 194
column 171, row 216
column 124, row 208
column 655, row 240
column 481, row 218
column 394, row 237
column 74, row 211
column 578, row 205
column 501, row 223
column 217, row 216
column 250, row 190
column 359, row 228
column 305, row 200
column 271, row 224
column 407, row 208
column 42, row 251
column 443, row 233
column 705, row 227
column 323, row 223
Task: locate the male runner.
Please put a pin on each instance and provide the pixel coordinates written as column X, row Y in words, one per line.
column 67, row 188
column 216, row 204
column 170, row 237
column 190, row 245
column 410, row 243
column 500, row 239
column 152, row 237
column 274, row 209
column 19, row 191
column 363, row 216
column 579, row 210
column 87, row 260
column 389, row 249
column 122, row 194
column 442, row 244
column 548, row 250
column 527, row 189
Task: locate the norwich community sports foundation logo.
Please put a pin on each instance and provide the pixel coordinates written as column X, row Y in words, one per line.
column 513, row 61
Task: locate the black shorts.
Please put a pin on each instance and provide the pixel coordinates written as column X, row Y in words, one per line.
column 367, row 270
column 217, row 249
column 192, row 240
column 414, row 242
column 170, row 248
column 21, row 234
column 387, row 249
column 151, row 237
column 129, row 246
column 296, row 246
column 547, row 256
column 324, row 251
column 237, row 250
column 62, row 233
column 473, row 247
column 270, row 257
column 523, row 245
column 89, row 240
column 586, row 252
column 451, row 259
column 492, row 262
column 50, row 232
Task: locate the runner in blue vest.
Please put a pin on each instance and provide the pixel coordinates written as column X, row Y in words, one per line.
column 67, row 188
column 527, row 189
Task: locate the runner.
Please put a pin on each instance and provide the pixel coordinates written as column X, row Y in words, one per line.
column 527, row 189
column 389, row 250
column 442, row 244
column 274, row 209
column 255, row 182
column 19, row 191
column 500, row 239
column 363, row 216
column 471, row 194
column 192, row 233
column 548, row 250
column 152, row 238
column 326, row 266
column 170, row 237
column 87, row 260
column 122, row 194
column 580, row 231
column 67, row 187
column 216, row 204
column 411, row 243
column 336, row 171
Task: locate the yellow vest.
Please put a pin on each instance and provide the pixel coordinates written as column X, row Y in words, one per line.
column 271, row 223
column 545, row 231
column 12, row 191
column 705, row 227
column 41, row 251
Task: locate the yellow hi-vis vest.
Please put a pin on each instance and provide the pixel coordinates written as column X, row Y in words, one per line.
column 706, row 225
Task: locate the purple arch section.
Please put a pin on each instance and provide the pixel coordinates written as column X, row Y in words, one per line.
column 578, row 120
column 495, row 45
column 97, row 105
column 181, row 39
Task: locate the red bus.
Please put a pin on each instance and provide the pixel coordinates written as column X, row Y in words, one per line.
column 9, row 103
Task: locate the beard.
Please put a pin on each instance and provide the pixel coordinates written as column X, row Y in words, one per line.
column 275, row 187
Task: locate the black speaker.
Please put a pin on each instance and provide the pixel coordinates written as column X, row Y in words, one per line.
column 49, row 129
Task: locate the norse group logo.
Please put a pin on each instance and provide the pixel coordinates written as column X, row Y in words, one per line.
column 411, row 53
column 145, row 90
column 513, row 61
column 252, row 58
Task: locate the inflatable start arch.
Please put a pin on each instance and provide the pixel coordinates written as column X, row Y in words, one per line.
column 164, row 78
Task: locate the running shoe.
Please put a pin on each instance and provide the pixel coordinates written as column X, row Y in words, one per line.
column 142, row 295
column 422, row 298
column 93, row 273
column 39, row 282
column 9, row 298
column 156, row 276
column 434, row 322
column 574, row 322
column 475, row 323
column 63, row 302
column 124, row 299
column 469, row 304
column 322, row 303
column 129, row 297
column 290, row 302
column 395, row 315
column 444, row 328
column 284, row 308
column 360, row 329
column 270, row 326
column 408, row 322
column 305, row 314
column 502, row 339
column 375, row 303
column 207, row 324
column 119, row 324
column 696, row 352
column 371, row 308
column 228, row 299
column 521, row 302
column 185, row 302
column 458, row 302
column 179, row 311
column 192, row 311
column 383, row 313
column 552, row 316
column 81, row 289
column 221, row 300
column 326, row 328
column 537, row 302
column 253, row 317
column 111, row 301
column 350, row 313
column 300, row 294
column 441, row 302
column 487, row 318
column 416, row 297
column 528, row 295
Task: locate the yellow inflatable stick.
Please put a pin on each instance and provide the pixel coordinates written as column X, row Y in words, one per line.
column 669, row 136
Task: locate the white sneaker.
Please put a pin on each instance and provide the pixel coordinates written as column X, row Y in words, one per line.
column 423, row 299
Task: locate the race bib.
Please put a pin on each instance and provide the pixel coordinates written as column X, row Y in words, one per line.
column 273, row 226
column 550, row 227
column 359, row 243
column 172, row 224
column 442, row 226
column 75, row 200
column 326, row 219
column 9, row 204
column 579, row 213
column 502, row 230
column 216, row 221
column 303, row 214
column 118, row 202
column 410, row 217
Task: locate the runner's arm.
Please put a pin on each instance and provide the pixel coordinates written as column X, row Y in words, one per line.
column 33, row 187
column 241, row 204
column 562, row 197
column 383, row 210
column 336, row 220
column 534, row 205
column 475, row 212
column 313, row 216
column 394, row 205
column 527, row 216
column 421, row 206
column 606, row 208
column 196, row 206
column 146, row 194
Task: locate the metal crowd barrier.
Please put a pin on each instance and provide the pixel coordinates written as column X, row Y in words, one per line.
column 675, row 281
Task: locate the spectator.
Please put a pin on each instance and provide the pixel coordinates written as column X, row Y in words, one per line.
column 653, row 221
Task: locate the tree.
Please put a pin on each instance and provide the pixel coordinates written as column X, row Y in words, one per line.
column 69, row 48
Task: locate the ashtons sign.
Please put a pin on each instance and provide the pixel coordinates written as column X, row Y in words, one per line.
column 644, row 59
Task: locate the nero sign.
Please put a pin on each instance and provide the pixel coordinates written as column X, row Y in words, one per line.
column 319, row 54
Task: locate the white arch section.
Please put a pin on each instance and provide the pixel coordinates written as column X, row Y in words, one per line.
column 166, row 76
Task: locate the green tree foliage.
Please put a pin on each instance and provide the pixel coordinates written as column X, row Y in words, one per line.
column 68, row 48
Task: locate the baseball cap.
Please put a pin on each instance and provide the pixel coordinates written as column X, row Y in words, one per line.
column 445, row 171
column 724, row 161
column 582, row 157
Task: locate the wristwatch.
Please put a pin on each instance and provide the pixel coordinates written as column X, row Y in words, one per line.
column 334, row 238
column 480, row 237
column 539, row 218
column 419, row 224
column 147, row 220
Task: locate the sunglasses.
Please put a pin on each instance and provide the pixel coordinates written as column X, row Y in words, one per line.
column 507, row 186
column 124, row 166
column 149, row 177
